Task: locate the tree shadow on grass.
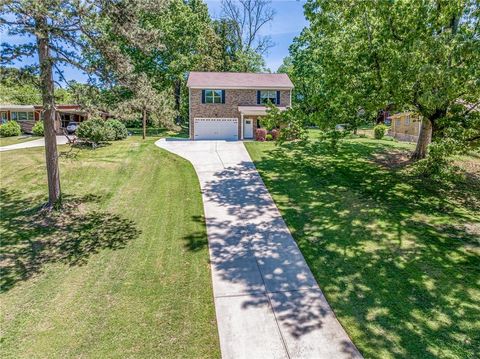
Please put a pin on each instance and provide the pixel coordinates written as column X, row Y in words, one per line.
column 32, row 238
column 253, row 254
column 393, row 252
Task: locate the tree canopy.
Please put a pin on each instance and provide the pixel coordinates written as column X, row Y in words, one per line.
column 422, row 56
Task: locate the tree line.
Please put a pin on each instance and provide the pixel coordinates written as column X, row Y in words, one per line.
column 136, row 54
column 359, row 58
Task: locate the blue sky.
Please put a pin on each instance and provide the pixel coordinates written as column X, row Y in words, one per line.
column 288, row 23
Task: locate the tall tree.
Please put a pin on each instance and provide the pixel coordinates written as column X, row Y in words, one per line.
column 421, row 55
column 54, row 26
column 147, row 103
column 249, row 16
column 65, row 31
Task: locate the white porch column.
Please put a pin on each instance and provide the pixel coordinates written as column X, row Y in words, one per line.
column 241, row 126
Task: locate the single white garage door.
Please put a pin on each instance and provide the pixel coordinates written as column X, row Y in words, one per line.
column 216, row 129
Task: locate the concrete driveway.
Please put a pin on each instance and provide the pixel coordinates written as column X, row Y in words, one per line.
column 61, row 140
column 268, row 305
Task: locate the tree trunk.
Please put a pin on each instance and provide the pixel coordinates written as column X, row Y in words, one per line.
column 424, row 139
column 47, row 89
column 178, row 93
column 144, row 123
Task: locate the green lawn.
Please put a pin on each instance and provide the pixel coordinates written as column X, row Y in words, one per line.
column 5, row 141
column 156, row 132
column 397, row 257
column 118, row 273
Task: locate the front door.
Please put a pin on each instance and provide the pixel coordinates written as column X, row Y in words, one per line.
column 248, row 128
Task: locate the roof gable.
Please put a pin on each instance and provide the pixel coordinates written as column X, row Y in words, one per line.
column 238, row 80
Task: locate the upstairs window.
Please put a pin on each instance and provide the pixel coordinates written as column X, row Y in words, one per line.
column 266, row 96
column 213, row 96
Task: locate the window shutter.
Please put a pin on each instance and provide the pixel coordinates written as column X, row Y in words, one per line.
column 223, row 96
column 278, row 97
column 203, row 96
column 258, row 97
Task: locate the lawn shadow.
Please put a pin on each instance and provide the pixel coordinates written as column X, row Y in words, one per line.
column 32, row 238
column 253, row 254
column 366, row 231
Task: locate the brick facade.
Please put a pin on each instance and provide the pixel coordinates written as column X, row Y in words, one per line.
column 233, row 99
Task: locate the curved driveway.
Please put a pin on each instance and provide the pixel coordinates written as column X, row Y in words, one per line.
column 268, row 305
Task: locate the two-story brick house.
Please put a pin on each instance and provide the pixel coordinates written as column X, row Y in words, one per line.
column 229, row 105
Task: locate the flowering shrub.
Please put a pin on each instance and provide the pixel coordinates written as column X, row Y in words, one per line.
column 261, row 134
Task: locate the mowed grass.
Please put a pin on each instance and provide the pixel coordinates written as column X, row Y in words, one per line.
column 6, row 141
column 397, row 256
column 113, row 275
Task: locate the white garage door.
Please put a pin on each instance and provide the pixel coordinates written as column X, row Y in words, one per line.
column 216, row 128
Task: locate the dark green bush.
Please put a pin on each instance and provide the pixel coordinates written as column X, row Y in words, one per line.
column 119, row 130
column 95, row 131
column 9, row 129
column 379, row 131
column 38, row 129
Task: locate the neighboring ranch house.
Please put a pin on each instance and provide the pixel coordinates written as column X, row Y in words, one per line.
column 229, row 106
column 405, row 126
column 27, row 115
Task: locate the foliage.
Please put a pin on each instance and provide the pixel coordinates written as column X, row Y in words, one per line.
column 95, row 131
column 269, row 137
column 333, row 137
column 9, row 129
column 157, row 106
column 342, row 207
column 21, row 87
column 118, row 129
column 260, row 134
column 379, row 131
column 273, row 117
column 38, row 128
column 275, row 133
column 368, row 54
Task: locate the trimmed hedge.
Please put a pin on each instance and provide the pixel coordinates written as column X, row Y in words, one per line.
column 9, row 129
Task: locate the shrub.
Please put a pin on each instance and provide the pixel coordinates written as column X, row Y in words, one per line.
column 9, row 129
column 95, row 131
column 261, row 134
column 119, row 130
column 439, row 162
column 38, row 129
column 379, row 131
column 133, row 123
column 275, row 133
column 269, row 137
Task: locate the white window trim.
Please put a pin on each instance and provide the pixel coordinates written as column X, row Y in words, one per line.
column 214, row 96
column 267, row 94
